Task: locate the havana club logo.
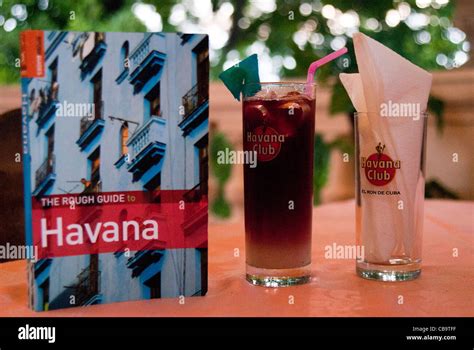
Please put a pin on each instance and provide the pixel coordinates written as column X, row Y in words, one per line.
column 265, row 141
column 379, row 168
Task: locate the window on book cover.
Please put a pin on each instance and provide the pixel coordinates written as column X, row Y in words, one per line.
column 53, row 71
column 202, row 61
column 32, row 96
column 154, row 285
column 44, row 287
column 154, row 188
column 50, row 145
column 53, row 78
column 124, row 132
column 93, row 274
column 97, row 94
column 153, row 102
column 124, row 53
column 92, row 183
column 204, row 264
column 203, row 155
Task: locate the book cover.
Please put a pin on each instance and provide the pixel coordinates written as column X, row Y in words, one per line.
column 115, row 160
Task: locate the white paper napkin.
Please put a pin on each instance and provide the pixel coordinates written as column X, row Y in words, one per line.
column 387, row 78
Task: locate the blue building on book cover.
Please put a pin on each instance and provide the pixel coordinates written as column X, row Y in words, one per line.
column 115, row 144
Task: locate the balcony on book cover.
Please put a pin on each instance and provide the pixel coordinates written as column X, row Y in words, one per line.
column 45, row 175
column 116, row 166
column 44, row 101
column 147, row 145
column 86, row 288
column 196, row 100
column 146, row 59
column 196, row 105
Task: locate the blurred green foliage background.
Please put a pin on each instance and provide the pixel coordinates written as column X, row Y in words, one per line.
column 288, row 33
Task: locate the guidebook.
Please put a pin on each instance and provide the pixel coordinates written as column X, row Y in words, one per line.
column 115, row 160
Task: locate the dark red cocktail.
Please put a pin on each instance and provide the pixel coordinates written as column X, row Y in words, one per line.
column 278, row 125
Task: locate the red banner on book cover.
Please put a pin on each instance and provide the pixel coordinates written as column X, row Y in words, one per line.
column 32, row 54
column 76, row 224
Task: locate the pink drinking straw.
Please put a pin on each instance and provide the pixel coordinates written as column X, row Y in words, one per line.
column 322, row 61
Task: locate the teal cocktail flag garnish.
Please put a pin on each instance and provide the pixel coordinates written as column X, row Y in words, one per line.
column 236, row 77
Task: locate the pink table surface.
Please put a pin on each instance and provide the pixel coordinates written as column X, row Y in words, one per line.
column 445, row 287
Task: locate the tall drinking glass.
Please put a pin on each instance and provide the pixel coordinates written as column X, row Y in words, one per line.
column 278, row 127
column 390, row 182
